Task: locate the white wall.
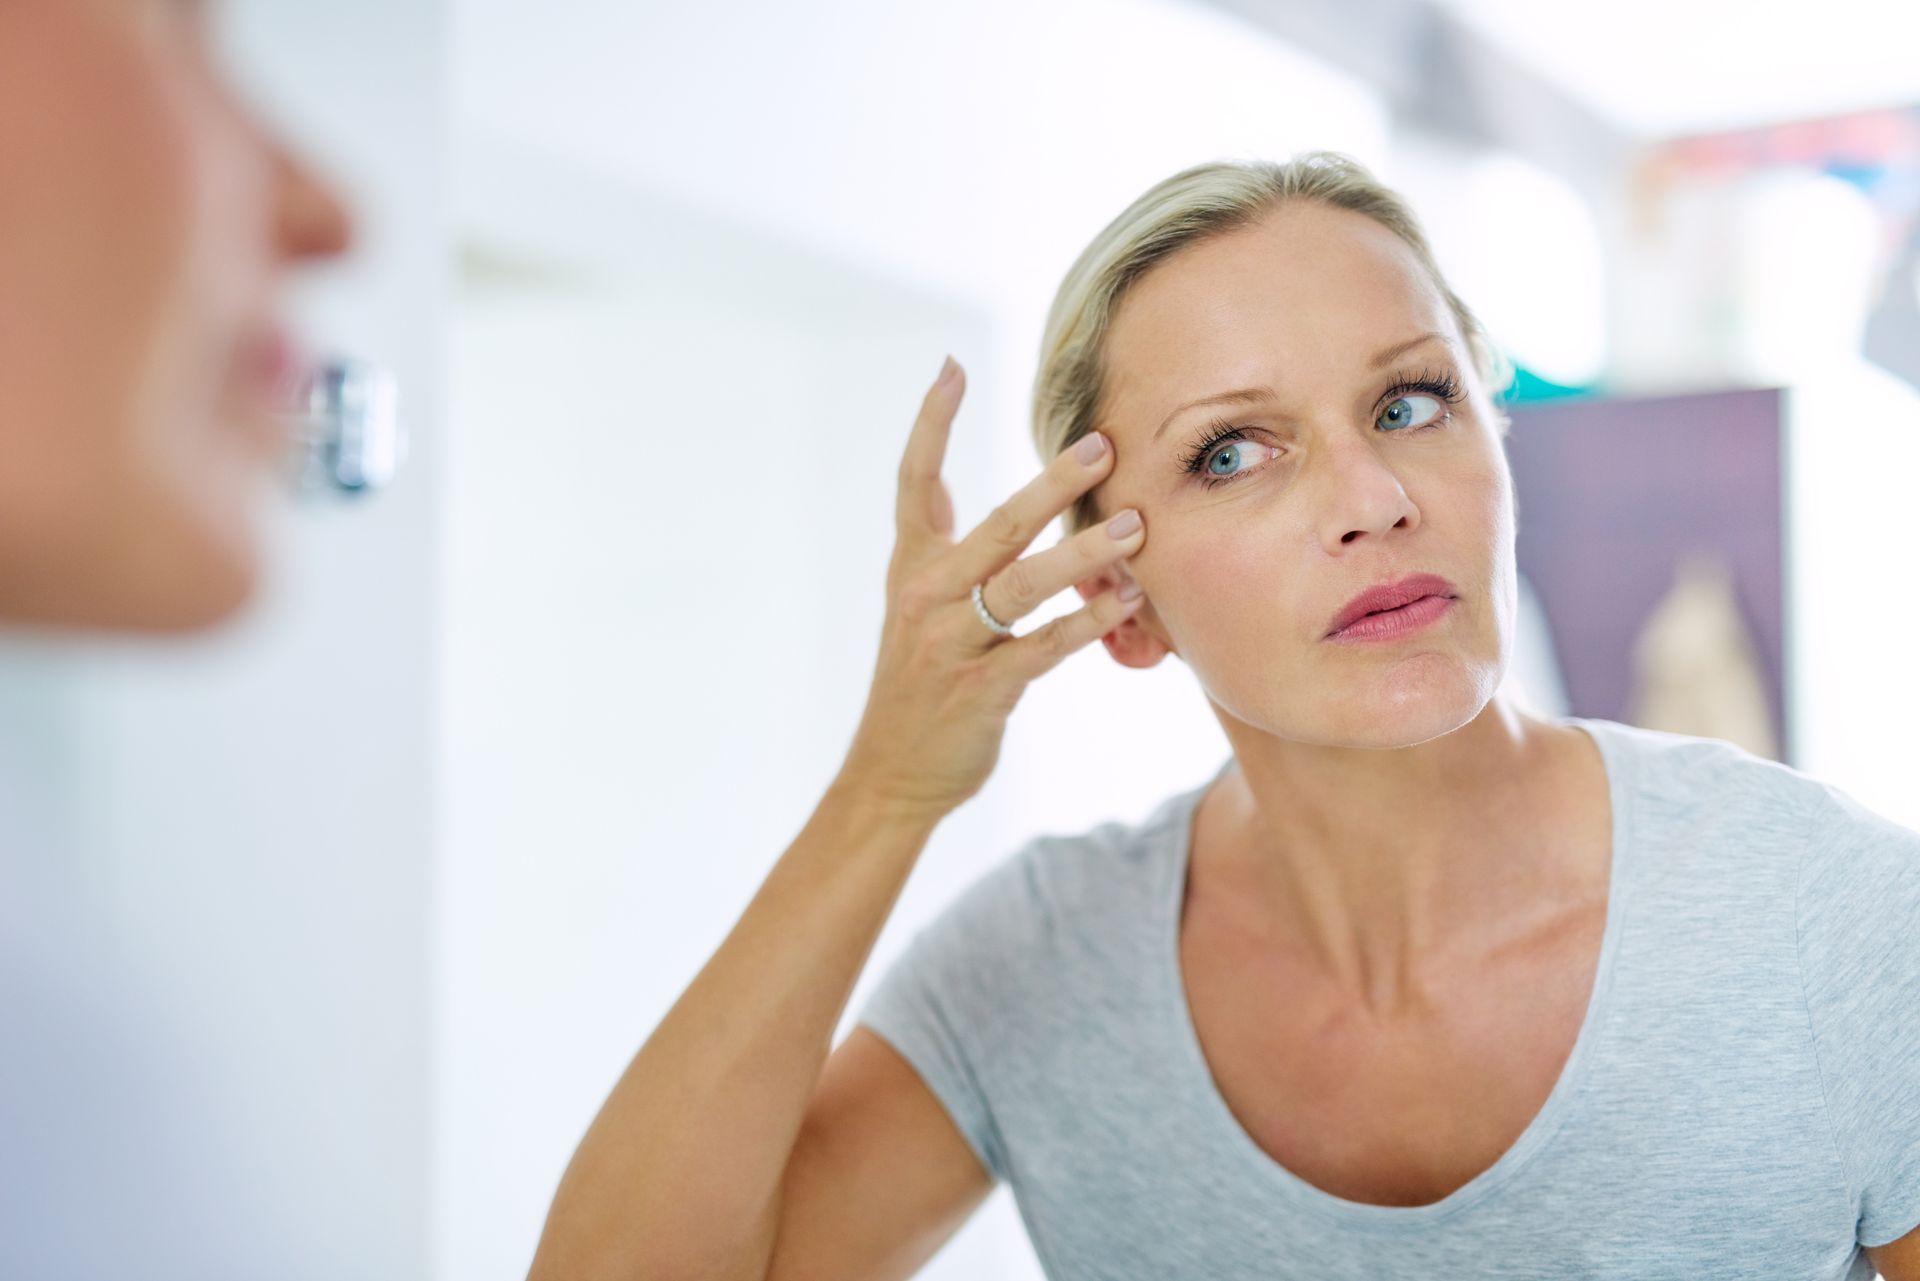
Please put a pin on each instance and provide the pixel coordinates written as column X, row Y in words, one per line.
column 1853, row 448
column 667, row 525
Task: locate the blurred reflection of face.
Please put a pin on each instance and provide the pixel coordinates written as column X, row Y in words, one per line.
column 145, row 224
column 1341, row 479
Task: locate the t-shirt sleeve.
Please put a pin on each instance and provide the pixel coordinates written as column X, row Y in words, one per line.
column 1858, row 922
column 937, row 1002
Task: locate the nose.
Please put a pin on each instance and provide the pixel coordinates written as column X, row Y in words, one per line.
column 312, row 219
column 1365, row 496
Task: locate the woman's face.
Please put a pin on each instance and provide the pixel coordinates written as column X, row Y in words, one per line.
column 145, row 226
column 1335, row 480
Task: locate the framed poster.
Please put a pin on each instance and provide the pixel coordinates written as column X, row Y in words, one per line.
column 1651, row 532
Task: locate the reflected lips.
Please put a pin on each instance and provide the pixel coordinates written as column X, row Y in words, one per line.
column 269, row 358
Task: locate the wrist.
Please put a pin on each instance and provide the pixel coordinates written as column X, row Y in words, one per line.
column 871, row 806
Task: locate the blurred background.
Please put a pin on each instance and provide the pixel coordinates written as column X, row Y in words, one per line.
column 411, row 860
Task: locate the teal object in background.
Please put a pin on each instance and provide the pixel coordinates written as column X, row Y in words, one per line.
column 1530, row 388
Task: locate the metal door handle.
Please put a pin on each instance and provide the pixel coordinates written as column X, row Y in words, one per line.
column 346, row 428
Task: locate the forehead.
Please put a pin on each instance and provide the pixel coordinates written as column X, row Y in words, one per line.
column 1300, row 299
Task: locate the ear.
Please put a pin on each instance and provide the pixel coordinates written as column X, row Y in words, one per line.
column 1136, row 642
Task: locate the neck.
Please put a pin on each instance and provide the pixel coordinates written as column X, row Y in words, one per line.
column 1384, row 868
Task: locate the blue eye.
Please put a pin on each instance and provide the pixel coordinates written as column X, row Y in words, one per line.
column 1213, row 452
column 1235, row 452
column 1401, row 422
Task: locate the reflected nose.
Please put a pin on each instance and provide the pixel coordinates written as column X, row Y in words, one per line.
column 314, row 221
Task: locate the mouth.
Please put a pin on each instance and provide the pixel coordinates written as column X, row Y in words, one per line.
column 268, row 363
column 1387, row 598
column 264, row 373
column 1400, row 621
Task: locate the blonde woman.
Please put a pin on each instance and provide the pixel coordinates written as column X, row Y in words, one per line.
column 1414, row 985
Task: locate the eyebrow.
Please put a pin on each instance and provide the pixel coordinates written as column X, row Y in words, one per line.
column 1247, row 395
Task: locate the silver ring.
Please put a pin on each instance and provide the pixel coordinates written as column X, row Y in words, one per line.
column 986, row 615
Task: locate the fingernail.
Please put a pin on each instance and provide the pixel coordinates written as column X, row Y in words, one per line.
column 1131, row 589
column 947, row 369
column 1123, row 524
column 1090, row 448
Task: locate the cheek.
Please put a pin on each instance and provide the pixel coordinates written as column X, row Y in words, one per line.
column 1490, row 493
column 1230, row 594
column 91, row 232
column 1480, row 509
column 101, row 198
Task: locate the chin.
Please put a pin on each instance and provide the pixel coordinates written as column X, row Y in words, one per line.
column 213, row 594
column 203, row 556
column 178, row 571
column 215, row 576
column 1418, row 702
column 194, row 593
column 191, row 602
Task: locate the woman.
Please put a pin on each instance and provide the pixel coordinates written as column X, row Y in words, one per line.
column 147, row 222
column 1416, row 984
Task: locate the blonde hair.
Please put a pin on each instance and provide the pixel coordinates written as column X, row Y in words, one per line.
column 1195, row 204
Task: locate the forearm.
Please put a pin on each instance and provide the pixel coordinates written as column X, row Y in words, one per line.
column 680, row 1173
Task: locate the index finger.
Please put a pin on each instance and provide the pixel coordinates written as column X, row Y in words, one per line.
column 923, row 505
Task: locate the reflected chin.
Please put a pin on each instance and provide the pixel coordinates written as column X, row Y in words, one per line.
column 153, row 565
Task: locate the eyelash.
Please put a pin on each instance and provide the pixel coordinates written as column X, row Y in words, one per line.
column 1441, row 384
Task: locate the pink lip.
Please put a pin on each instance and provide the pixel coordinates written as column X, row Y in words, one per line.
column 1395, row 623
column 268, row 360
column 1389, row 609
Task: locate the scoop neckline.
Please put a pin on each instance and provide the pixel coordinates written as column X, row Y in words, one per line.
column 1195, row 1075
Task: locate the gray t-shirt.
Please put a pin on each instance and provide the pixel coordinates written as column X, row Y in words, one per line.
column 1742, row 1101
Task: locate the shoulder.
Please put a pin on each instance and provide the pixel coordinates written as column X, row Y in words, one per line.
column 1117, row 867
column 1857, row 935
column 1028, row 941
column 1859, row 873
column 1735, row 824
column 1850, row 864
column 1059, row 893
column 1857, row 910
column 1688, row 775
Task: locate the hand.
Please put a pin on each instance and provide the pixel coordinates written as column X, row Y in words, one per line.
column 945, row 682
